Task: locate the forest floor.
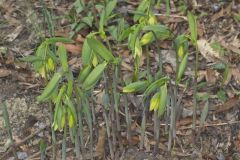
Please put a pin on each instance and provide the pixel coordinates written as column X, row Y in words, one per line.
column 219, row 139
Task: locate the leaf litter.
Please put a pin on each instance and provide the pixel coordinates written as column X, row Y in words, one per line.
column 218, row 143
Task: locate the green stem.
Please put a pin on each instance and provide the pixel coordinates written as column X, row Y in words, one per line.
column 64, row 143
column 195, row 90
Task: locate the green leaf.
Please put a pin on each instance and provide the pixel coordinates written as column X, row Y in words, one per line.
column 41, row 53
column 62, row 53
column 61, row 117
column 79, row 5
column 182, row 68
column 155, row 101
column 219, row 66
column 216, row 46
column 160, row 31
column 102, row 23
column 94, row 76
column 226, row 74
column 48, row 90
column 140, row 10
column 124, row 34
column 87, row 53
column 138, row 49
column 70, row 84
column 100, row 49
column 42, row 145
column 203, row 97
column 204, row 114
column 60, row 95
column 158, row 28
column 147, row 38
column 72, row 115
column 192, row 21
column 84, row 73
column 71, row 120
column 221, row 94
column 109, row 7
column 31, row 58
column 133, row 37
column 155, row 85
column 167, row 7
column 87, row 20
column 163, row 99
column 135, row 87
column 58, row 39
column 181, row 45
column 237, row 17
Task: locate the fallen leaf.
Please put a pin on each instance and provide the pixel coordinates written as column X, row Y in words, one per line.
column 201, row 75
column 236, row 74
column 227, row 105
column 147, row 144
column 234, row 46
column 75, row 49
column 4, row 72
column 223, row 12
column 228, row 77
column 134, row 140
column 101, row 143
column 184, row 121
column 11, row 37
column 79, row 38
column 211, row 76
column 10, row 59
column 168, row 68
column 207, row 52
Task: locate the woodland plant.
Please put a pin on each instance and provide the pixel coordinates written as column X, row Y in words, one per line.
column 72, row 96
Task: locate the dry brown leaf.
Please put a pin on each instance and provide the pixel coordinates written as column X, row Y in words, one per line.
column 227, row 105
column 101, row 142
column 168, row 68
column 207, row 52
column 236, row 74
column 4, row 72
column 147, row 144
column 228, row 78
column 11, row 37
column 134, row 140
column 10, row 59
column 201, row 75
column 126, row 66
column 211, row 76
column 75, row 49
column 79, row 38
column 234, row 46
column 223, row 12
column 184, row 122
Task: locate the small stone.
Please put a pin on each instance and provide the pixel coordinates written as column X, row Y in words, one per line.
column 22, row 155
column 216, row 7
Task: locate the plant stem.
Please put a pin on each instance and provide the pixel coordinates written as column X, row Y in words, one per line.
column 195, row 90
column 106, row 106
column 54, row 148
column 8, row 127
column 64, row 148
column 143, row 124
column 156, row 131
column 116, row 97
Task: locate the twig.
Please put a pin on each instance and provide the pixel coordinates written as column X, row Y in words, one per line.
column 206, row 125
column 48, row 148
column 23, row 141
column 171, row 16
column 212, row 125
column 29, row 137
